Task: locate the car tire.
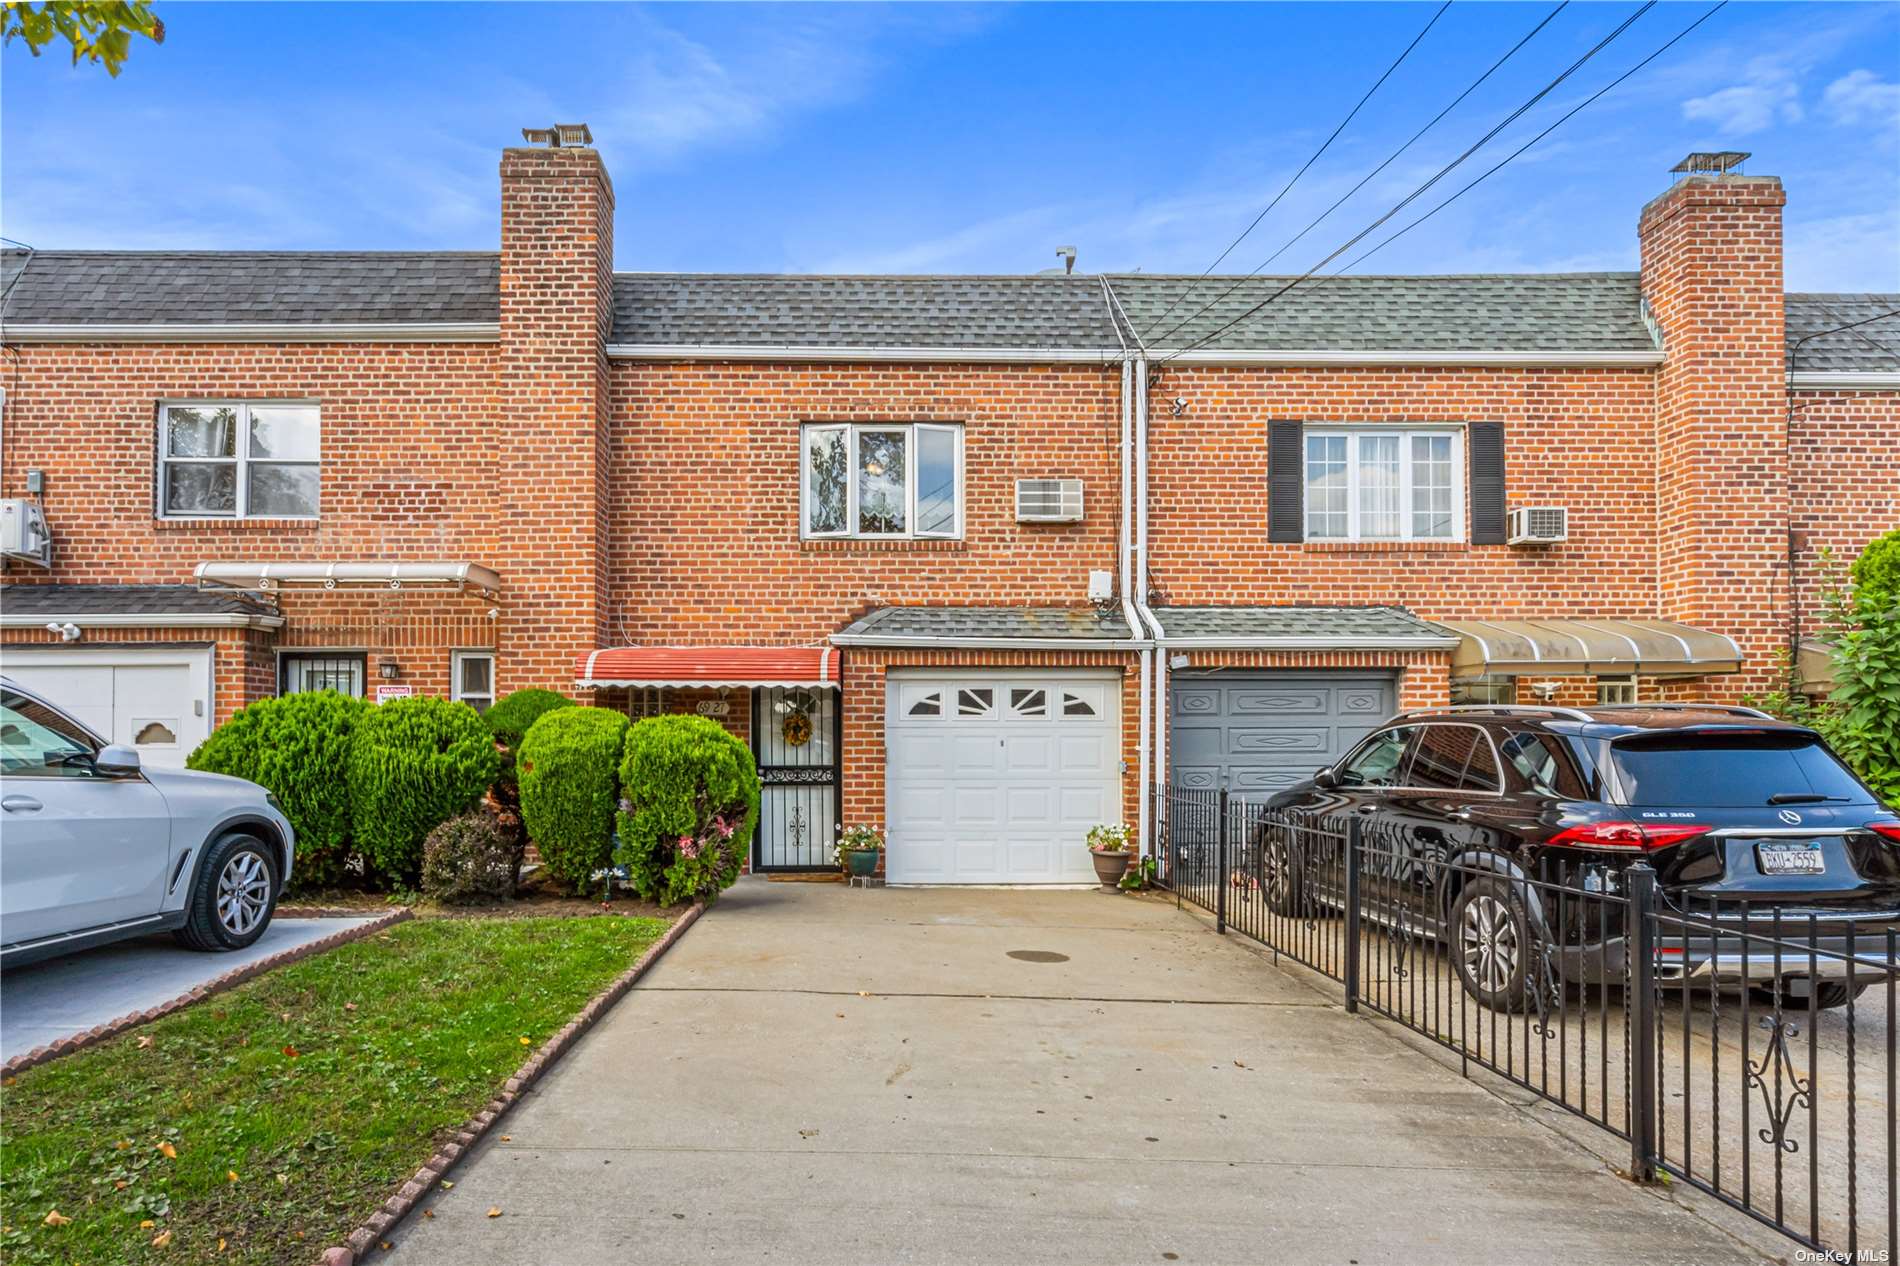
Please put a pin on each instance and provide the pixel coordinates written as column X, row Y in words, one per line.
column 1492, row 943
column 1282, row 875
column 1828, row 995
column 232, row 896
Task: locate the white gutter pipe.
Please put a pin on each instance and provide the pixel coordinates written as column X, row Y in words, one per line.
column 1145, row 831
column 1155, row 697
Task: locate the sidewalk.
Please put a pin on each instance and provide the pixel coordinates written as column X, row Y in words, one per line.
column 823, row 1075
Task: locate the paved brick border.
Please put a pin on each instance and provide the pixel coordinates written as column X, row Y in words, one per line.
column 217, row 984
column 398, row 1206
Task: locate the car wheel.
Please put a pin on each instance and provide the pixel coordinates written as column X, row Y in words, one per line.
column 233, row 896
column 1282, row 878
column 1828, row 994
column 1492, row 944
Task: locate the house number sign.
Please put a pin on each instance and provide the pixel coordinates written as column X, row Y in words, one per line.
column 714, row 708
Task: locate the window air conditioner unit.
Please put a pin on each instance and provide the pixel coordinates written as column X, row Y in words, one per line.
column 1538, row 525
column 1048, row 500
column 23, row 534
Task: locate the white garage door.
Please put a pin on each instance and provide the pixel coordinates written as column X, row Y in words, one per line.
column 996, row 777
column 157, row 700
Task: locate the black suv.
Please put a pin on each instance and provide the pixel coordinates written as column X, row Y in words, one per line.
column 1743, row 817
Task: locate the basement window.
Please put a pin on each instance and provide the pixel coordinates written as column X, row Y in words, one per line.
column 238, row 460
column 1384, row 484
column 882, row 481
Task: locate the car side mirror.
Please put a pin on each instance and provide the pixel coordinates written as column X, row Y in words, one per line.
column 1326, row 779
column 116, row 760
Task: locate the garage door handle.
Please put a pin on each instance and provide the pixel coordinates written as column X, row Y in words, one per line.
column 21, row 804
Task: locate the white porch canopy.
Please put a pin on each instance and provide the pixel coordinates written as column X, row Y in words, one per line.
column 269, row 577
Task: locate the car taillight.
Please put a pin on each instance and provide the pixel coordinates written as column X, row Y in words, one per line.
column 1628, row 836
column 1889, row 829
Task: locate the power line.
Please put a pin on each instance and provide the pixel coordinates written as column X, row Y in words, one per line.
column 1360, row 236
column 1364, row 180
column 1711, row 12
column 1309, row 162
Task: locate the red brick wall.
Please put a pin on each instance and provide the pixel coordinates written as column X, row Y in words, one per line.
column 551, row 492
column 1575, row 438
column 1846, row 481
column 1711, row 268
column 705, row 495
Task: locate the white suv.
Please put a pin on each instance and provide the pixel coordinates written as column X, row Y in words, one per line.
column 95, row 849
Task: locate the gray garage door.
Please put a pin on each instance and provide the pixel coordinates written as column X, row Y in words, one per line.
column 1256, row 733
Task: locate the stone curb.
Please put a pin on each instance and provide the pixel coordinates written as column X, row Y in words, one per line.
column 365, row 1237
column 216, row 985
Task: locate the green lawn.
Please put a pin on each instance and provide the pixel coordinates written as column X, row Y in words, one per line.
column 296, row 1103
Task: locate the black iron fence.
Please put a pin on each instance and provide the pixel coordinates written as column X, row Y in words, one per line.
column 1750, row 1055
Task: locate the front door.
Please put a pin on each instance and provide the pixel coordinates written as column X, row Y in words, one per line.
column 795, row 738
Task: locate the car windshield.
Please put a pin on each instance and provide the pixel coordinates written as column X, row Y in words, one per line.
column 1737, row 770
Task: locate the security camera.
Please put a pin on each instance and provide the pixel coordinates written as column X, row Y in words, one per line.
column 494, row 613
column 1178, row 406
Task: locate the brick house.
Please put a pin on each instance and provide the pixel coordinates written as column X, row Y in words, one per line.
column 974, row 557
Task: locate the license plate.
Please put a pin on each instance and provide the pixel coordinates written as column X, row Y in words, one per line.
column 1792, row 859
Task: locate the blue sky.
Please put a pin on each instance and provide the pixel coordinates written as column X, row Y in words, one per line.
column 943, row 138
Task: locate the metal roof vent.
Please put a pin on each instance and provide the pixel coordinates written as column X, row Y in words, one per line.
column 1724, row 163
column 560, row 136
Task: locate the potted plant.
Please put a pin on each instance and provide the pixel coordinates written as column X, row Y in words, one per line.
column 858, row 849
column 1108, row 848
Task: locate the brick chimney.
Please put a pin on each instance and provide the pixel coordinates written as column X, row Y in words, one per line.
column 1711, row 277
column 557, row 248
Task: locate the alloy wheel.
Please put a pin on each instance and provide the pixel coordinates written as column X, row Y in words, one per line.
column 243, row 893
column 1488, row 943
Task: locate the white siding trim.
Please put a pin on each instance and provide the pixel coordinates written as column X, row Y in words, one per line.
column 262, row 332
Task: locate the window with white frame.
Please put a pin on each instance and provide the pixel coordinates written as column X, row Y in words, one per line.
column 238, row 460
column 1616, row 689
column 1384, row 484
column 882, row 480
column 472, row 678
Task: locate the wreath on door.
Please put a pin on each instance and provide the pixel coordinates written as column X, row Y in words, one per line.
column 796, row 728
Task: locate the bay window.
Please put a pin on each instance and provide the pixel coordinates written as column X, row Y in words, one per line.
column 882, row 480
column 1384, row 484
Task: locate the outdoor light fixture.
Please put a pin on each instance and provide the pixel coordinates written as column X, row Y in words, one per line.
column 1177, row 406
column 68, row 632
column 389, row 669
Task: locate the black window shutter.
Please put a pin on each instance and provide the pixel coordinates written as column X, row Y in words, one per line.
column 1286, row 482
column 1486, row 441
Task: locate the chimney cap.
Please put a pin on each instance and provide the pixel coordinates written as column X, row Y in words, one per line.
column 1704, row 163
column 560, row 136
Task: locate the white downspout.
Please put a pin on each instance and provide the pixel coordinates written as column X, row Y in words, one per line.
column 1125, row 587
column 1155, row 697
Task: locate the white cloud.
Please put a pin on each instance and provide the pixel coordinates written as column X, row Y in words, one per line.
column 1855, row 253
column 1769, row 94
column 1863, row 97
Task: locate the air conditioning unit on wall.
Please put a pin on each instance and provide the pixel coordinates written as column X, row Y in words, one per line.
column 1538, row 525
column 23, row 534
column 1048, row 500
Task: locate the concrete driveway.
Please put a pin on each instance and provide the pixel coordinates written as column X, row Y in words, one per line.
column 44, row 1001
column 818, row 1074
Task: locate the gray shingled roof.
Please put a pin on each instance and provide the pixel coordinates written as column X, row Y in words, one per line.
column 788, row 310
column 1873, row 348
column 1545, row 312
column 1354, row 623
column 65, row 600
column 249, row 287
column 1080, row 624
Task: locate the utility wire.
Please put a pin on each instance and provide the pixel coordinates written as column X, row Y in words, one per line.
column 1409, row 198
column 1711, row 12
column 1367, row 178
column 1309, row 162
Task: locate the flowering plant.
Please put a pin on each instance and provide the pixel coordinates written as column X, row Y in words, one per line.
column 1108, row 838
column 856, row 839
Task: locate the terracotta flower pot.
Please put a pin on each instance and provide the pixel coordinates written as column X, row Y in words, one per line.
column 1109, row 868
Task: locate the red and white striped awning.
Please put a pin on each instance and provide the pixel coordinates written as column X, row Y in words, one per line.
column 700, row 666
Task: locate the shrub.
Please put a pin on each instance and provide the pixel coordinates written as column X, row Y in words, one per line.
column 298, row 748
column 691, row 799
column 569, row 770
column 468, row 859
column 414, row 764
column 510, row 719
column 1861, row 717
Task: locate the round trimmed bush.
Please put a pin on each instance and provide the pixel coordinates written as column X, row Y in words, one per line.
column 513, row 715
column 569, row 769
column 297, row 747
column 691, row 799
column 468, row 859
column 414, row 764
